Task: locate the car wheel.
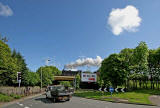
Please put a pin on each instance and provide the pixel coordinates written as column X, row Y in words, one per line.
column 54, row 100
column 68, row 99
column 46, row 97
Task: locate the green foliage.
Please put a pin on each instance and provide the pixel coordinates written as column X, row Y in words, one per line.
column 32, row 79
column 127, row 55
column 48, row 73
column 5, row 98
column 15, row 96
column 21, row 66
column 113, row 70
column 140, row 58
column 78, row 80
column 100, row 81
column 65, row 83
column 138, row 96
column 8, row 68
column 128, row 64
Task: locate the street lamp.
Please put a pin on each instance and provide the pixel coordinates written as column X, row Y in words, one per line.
column 41, row 79
column 47, row 60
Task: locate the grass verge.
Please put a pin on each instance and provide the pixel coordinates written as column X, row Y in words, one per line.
column 8, row 98
column 137, row 96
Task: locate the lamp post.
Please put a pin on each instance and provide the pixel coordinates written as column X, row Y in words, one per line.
column 41, row 79
column 47, row 60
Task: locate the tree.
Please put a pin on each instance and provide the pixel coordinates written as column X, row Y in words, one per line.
column 55, row 70
column 65, row 83
column 113, row 70
column 32, row 78
column 4, row 39
column 154, row 66
column 21, row 65
column 48, row 73
column 78, row 80
column 140, row 62
column 7, row 65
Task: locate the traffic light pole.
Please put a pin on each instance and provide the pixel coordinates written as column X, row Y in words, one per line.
column 19, row 78
column 19, row 83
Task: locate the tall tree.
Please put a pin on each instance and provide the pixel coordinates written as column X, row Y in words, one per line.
column 7, row 65
column 140, row 62
column 113, row 69
column 127, row 55
column 21, row 64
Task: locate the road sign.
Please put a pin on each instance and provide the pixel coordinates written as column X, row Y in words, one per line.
column 111, row 89
column 105, row 89
column 100, row 89
column 120, row 90
column 116, row 90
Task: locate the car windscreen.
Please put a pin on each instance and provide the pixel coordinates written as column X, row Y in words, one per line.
column 60, row 88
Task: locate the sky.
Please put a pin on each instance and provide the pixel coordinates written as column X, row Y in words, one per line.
column 67, row 30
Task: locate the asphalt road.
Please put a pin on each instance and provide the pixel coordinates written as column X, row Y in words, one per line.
column 75, row 102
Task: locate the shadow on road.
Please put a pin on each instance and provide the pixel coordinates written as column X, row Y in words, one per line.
column 47, row 101
column 44, row 100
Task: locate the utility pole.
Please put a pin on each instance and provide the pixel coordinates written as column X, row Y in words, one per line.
column 41, row 79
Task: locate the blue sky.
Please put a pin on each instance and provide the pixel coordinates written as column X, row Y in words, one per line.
column 67, row 29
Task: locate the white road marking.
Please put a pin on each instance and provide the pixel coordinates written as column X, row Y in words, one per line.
column 20, row 104
column 26, row 107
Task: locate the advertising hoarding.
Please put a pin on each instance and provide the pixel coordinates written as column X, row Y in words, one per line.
column 88, row 77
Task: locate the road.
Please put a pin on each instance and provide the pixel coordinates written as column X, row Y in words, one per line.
column 75, row 102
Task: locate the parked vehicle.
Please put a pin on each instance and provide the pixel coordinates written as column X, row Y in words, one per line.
column 58, row 93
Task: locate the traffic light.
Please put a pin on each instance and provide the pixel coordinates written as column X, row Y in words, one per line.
column 18, row 76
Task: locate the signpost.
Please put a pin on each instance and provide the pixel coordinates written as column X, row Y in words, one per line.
column 111, row 89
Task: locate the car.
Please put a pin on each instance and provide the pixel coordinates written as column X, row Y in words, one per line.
column 58, row 93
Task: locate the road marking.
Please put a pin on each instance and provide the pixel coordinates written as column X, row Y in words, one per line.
column 20, row 104
column 26, row 107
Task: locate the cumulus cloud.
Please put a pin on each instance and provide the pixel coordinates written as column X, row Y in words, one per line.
column 5, row 10
column 124, row 19
column 85, row 62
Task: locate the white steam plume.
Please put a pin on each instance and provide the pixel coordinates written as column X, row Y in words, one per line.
column 85, row 62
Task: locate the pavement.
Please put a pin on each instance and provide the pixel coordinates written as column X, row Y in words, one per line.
column 155, row 99
column 75, row 102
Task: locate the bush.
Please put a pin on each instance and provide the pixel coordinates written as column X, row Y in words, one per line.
column 15, row 96
column 5, row 98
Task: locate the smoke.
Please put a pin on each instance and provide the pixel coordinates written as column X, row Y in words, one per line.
column 85, row 62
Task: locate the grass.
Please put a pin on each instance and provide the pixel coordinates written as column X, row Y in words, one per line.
column 8, row 98
column 5, row 98
column 15, row 96
column 137, row 96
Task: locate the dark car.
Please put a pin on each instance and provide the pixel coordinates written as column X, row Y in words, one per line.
column 58, row 93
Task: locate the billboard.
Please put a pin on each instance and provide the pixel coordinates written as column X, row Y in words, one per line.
column 88, row 77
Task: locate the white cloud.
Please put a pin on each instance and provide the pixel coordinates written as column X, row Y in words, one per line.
column 85, row 62
column 124, row 19
column 5, row 10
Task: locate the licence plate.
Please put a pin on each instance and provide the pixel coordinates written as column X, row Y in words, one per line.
column 65, row 98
